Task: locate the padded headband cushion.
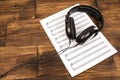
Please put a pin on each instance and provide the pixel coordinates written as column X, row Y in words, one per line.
column 90, row 10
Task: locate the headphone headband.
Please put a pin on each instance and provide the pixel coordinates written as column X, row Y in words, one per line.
column 90, row 10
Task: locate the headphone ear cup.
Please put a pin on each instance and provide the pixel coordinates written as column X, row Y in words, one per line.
column 70, row 28
column 87, row 33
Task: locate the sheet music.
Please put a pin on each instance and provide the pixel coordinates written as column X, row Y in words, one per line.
column 81, row 57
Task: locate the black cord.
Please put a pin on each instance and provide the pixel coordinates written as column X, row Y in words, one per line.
column 97, row 4
column 63, row 50
column 21, row 65
column 37, row 65
column 14, row 68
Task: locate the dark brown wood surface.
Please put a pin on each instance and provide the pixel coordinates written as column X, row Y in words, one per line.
column 22, row 38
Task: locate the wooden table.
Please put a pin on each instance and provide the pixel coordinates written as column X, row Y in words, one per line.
column 23, row 41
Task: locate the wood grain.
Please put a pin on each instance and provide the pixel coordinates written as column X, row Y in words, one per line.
column 22, row 38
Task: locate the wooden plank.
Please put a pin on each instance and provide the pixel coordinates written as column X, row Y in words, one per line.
column 16, row 9
column 14, row 56
column 48, row 7
column 26, row 33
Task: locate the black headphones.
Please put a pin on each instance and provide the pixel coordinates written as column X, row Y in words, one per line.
column 87, row 33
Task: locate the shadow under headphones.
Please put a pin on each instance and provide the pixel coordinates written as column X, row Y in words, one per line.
column 87, row 33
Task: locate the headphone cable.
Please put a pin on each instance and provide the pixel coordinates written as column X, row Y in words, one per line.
column 14, row 68
column 63, row 50
column 97, row 4
column 21, row 65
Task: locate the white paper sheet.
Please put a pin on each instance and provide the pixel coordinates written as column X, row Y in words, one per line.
column 82, row 57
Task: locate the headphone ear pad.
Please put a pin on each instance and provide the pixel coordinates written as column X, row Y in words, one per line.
column 87, row 33
column 70, row 28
